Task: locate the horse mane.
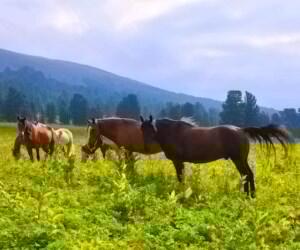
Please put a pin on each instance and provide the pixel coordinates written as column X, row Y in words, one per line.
column 185, row 121
column 189, row 120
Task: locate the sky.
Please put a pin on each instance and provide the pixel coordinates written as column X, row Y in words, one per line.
column 198, row 47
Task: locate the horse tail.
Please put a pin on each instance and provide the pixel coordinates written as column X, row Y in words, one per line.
column 267, row 133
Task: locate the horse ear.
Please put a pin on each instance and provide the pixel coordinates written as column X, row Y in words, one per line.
column 93, row 120
column 21, row 119
column 150, row 118
column 142, row 118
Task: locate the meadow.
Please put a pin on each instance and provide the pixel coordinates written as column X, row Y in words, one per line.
column 106, row 204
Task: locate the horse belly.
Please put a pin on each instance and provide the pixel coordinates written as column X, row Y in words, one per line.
column 62, row 140
column 42, row 138
column 203, row 153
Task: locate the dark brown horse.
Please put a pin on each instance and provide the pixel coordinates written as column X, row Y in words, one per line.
column 118, row 131
column 185, row 142
column 34, row 135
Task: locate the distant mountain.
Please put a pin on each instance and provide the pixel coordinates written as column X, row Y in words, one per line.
column 101, row 84
column 52, row 78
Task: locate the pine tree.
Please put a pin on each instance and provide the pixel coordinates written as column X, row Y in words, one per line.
column 78, row 109
column 63, row 112
column 13, row 105
column 96, row 112
column 129, row 107
column 276, row 119
column 251, row 110
column 187, row 110
column 233, row 109
column 200, row 114
column 51, row 113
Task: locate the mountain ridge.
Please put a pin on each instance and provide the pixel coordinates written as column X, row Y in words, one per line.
column 77, row 74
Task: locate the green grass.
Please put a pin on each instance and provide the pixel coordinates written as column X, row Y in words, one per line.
column 106, row 207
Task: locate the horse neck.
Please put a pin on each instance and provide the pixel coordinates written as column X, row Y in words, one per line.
column 166, row 132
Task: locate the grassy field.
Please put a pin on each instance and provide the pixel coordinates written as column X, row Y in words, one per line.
column 106, row 206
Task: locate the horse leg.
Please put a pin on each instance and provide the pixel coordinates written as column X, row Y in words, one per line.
column 250, row 178
column 245, row 170
column 179, row 166
column 103, row 150
column 37, row 153
column 29, row 150
column 51, row 147
column 46, row 150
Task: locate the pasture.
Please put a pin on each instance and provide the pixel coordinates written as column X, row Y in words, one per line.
column 108, row 205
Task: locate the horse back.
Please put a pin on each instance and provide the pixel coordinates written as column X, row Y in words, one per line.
column 209, row 143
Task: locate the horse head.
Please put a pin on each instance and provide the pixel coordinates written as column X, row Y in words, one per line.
column 94, row 136
column 21, row 125
column 149, row 132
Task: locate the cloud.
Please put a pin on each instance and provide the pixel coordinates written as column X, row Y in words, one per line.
column 66, row 21
column 199, row 47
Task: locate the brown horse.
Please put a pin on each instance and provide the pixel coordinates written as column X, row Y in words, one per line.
column 19, row 141
column 185, row 142
column 34, row 135
column 118, row 131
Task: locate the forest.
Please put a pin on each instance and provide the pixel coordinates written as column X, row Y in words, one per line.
column 29, row 93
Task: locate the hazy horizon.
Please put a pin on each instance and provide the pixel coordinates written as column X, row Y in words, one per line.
column 198, row 47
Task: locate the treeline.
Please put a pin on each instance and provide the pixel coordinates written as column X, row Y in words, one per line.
column 195, row 111
column 244, row 112
column 30, row 93
column 75, row 111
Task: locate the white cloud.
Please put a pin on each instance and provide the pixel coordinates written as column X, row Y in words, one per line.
column 265, row 41
column 66, row 20
column 129, row 14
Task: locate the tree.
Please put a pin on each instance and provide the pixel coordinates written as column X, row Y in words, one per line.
column 213, row 117
column 129, row 107
column 51, row 112
column 175, row 112
column 13, row 104
column 63, row 112
column 251, row 110
column 78, row 109
column 200, row 114
column 233, row 109
column 290, row 117
column 264, row 119
column 187, row 110
column 276, row 119
column 96, row 112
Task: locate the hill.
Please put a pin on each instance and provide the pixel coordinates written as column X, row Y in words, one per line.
column 93, row 82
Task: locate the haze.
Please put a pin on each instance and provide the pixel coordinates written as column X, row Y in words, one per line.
column 198, row 47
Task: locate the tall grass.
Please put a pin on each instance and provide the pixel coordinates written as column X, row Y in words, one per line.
column 106, row 206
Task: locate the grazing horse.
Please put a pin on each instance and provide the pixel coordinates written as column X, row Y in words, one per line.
column 94, row 143
column 185, row 142
column 35, row 135
column 117, row 132
column 64, row 137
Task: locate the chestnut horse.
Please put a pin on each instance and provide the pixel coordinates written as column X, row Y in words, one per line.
column 35, row 135
column 185, row 142
column 117, row 132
